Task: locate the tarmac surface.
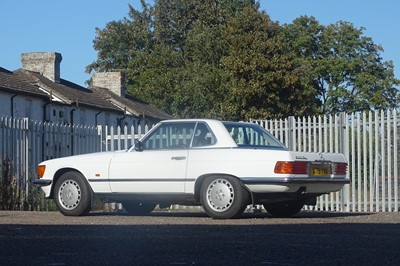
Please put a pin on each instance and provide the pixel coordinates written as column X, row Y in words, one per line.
column 192, row 238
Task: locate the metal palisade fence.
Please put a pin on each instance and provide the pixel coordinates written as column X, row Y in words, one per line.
column 370, row 142
column 120, row 138
column 24, row 144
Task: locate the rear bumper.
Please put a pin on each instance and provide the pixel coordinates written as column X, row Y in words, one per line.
column 289, row 184
column 288, row 180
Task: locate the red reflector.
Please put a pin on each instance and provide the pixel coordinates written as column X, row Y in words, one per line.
column 340, row 168
column 297, row 168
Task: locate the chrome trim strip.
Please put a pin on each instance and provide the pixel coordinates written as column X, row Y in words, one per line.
column 142, row 180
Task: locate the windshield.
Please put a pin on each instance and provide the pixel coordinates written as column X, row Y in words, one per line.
column 252, row 135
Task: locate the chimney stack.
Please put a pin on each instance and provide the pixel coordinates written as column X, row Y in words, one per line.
column 45, row 63
column 113, row 81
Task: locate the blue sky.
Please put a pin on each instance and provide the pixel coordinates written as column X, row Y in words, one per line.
column 68, row 27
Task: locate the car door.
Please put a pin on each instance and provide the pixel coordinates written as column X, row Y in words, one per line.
column 159, row 166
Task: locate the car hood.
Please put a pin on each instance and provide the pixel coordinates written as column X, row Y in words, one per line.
column 83, row 158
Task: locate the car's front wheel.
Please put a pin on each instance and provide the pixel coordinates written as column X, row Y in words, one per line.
column 138, row 208
column 284, row 209
column 73, row 195
column 223, row 197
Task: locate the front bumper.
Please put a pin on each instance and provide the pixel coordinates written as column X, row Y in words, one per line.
column 42, row 182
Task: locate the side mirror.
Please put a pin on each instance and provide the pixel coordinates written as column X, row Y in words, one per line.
column 138, row 145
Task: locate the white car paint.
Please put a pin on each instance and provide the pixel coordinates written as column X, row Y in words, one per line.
column 178, row 171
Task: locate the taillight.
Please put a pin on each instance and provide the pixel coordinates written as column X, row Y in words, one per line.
column 40, row 170
column 296, row 168
column 340, row 169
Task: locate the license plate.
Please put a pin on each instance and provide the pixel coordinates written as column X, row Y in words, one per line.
column 320, row 170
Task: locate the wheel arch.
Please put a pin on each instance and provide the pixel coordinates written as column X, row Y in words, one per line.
column 58, row 174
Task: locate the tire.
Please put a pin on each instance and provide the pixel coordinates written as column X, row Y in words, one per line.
column 223, row 197
column 72, row 194
column 138, row 208
column 284, row 209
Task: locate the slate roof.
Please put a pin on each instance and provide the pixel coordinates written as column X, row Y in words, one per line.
column 132, row 104
column 13, row 83
column 72, row 94
column 69, row 93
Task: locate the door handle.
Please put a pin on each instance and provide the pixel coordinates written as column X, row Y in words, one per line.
column 178, row 158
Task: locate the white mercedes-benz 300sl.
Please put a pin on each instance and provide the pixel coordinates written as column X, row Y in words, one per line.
column 222, row 166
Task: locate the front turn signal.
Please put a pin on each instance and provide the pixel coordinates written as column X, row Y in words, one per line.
column 40, row 170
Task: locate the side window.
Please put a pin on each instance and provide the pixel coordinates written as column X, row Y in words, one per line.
column 203, row 136
column 170, row 136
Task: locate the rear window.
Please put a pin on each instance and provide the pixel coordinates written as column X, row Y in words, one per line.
column 252, row 136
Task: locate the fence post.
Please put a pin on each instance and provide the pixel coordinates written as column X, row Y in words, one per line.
column 344, row 148
column 342, row 131
column 396, row 161
column 100, row 133
column 291, row 133
column 26, row 159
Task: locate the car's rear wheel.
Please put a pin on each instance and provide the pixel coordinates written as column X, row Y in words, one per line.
column 72, row 194
column 284, row 209
column 138, row 208
column 223, row 197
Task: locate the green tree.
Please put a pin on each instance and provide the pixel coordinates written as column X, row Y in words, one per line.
column 265, row 79
column 226, row 59
column 122, row 41
column 346, row 70
column 182, row 73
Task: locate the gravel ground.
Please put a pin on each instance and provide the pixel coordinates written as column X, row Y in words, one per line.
column 192, row 238
column 193, row 218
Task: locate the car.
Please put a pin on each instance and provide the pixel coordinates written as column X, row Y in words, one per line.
column 222, row 166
